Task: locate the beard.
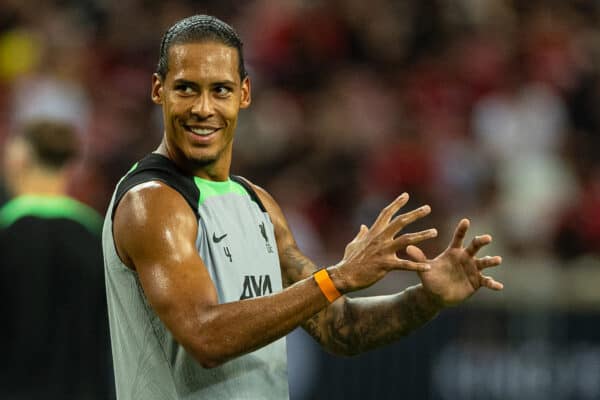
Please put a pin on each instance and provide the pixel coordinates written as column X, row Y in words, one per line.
column 192, row 158
column 203, row 162
column 206, row 161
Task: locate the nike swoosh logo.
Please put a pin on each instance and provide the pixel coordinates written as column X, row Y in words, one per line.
column 218, row 239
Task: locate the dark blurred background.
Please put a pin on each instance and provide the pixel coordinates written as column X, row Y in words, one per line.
column 487, row 109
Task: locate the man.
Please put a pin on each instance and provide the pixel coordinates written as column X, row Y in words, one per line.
column 204, row 278
column 52, row 292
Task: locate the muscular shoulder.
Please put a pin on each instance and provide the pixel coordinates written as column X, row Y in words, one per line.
column 149, row 217
column 282, row 230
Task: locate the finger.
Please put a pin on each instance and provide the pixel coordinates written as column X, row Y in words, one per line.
column 362, row 231
column 490, row 283
column 477, row 243
column 416, row 253
column 459, row 234
column 412, row 238
column 408, row 265
column 388, row 212
column 487, row 262
column 402, row 220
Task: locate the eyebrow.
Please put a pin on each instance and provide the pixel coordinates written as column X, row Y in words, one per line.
column 180, row 81
column 224, row 82
column 184, row 81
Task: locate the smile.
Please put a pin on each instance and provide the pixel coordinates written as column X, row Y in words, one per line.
column 202, row 131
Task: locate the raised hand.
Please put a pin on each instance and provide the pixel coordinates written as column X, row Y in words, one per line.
column 372, row 253
column 456, row 274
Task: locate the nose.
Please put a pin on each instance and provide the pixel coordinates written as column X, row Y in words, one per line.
column 203, row 106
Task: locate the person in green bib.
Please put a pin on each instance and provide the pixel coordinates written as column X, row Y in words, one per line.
column 52, row 290
column 204, row 277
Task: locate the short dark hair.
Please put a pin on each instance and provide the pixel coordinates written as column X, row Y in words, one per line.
column 54, row 143
column 198, row 28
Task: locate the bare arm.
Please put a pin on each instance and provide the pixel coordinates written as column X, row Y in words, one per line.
column 155, row 233
column 353, row 325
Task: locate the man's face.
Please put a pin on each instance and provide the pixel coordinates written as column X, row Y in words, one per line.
column 201, row 97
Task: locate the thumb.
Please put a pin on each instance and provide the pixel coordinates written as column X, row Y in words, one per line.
column 361, row 233
column 415, row 253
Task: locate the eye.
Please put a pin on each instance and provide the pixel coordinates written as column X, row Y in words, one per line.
column 223, row 91
column 184, row 89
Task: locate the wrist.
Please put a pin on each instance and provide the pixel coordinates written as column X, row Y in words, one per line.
column 325, row 283
column 435, row 301
column 337, row 278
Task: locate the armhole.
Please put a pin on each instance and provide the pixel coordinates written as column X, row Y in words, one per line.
column 158, row 168
column 246, row 185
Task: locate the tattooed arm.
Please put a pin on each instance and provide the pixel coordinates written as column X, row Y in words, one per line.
column 350, row 326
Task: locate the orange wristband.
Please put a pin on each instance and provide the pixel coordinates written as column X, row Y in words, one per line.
column 326, row 285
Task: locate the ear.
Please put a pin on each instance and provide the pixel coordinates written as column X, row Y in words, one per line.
column 17, row 160
column 17, row 154
column 246, row 97
column 157, row 89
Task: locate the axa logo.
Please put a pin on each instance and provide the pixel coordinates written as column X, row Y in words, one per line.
column 256, row 286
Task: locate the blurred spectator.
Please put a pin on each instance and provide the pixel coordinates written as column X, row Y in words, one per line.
column 52, row 290
column 578, row 231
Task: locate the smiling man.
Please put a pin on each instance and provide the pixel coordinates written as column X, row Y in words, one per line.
column 204, row 277
column 201, row 99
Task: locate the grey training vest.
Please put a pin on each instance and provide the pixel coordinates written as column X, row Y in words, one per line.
column 237, row 244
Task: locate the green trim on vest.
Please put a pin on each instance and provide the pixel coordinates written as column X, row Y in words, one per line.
column 50, row 207
column 212, row 188
column 133, row 167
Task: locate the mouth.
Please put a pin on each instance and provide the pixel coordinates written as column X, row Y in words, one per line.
column 201, row 131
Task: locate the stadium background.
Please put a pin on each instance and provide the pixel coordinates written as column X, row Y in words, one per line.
column 482, row 108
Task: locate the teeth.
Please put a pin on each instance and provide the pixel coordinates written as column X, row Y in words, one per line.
column 203, row 131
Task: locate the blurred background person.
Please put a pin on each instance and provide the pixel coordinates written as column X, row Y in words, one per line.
column 52, row 288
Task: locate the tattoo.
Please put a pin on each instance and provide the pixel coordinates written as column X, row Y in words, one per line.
column 352, row 326
column 365, row 323
column 312, row 327
column 345, row 329
column 295, row 266
column 416, row 309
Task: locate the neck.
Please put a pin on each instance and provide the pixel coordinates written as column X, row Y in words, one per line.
column 40, row 182
column 217, row 170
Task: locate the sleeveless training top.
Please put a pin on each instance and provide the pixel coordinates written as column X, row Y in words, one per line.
column 236, row 241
